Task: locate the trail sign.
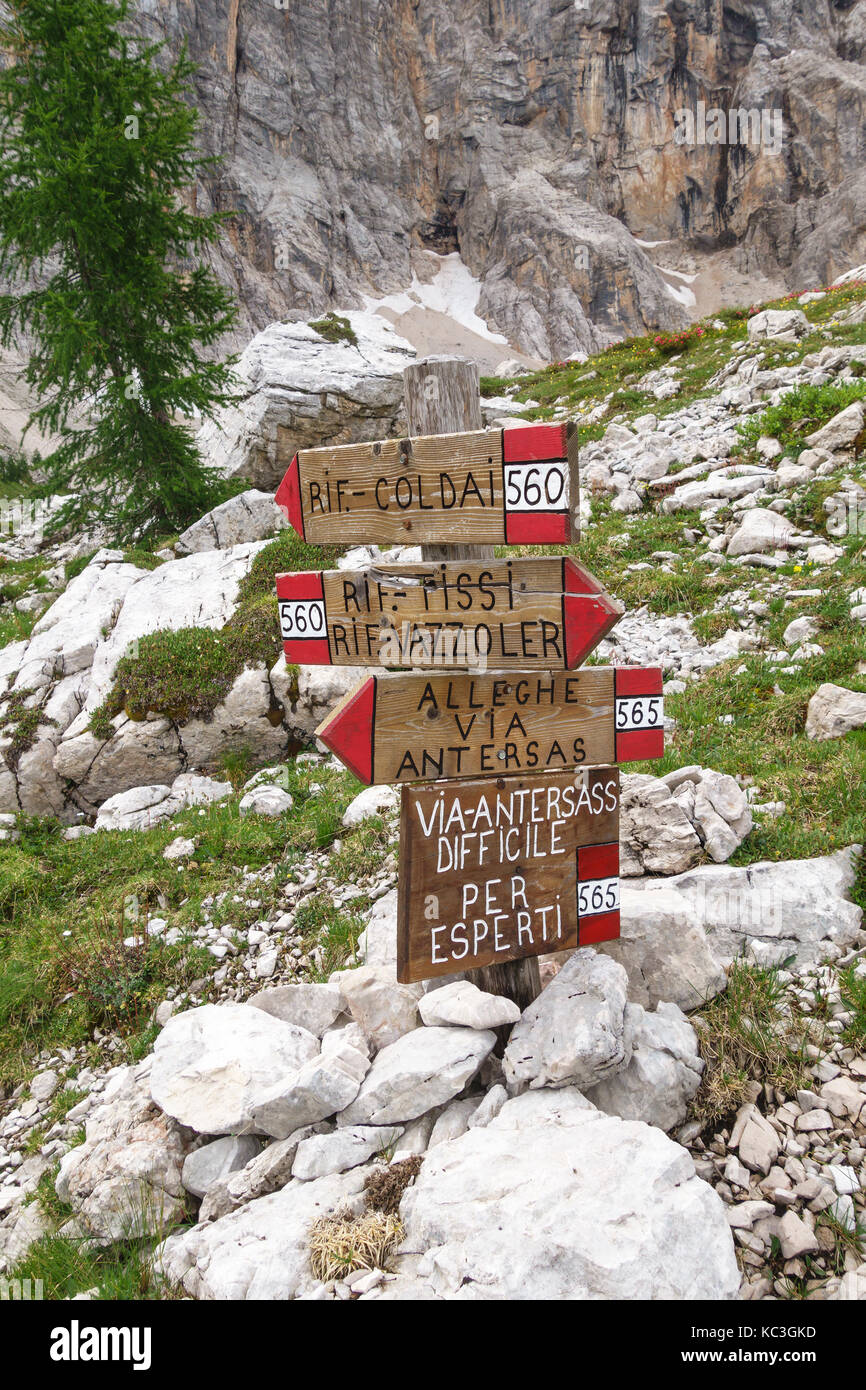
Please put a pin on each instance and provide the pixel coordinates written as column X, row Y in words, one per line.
column 408, row 728
column 546, row 614
column 502, row 868
column 511, row 487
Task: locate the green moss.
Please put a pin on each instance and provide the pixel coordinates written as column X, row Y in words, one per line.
column 143, row 559
column 335, row 329
column 286, row 554
column 21, row 722
column 74, row 567
column 184, row 674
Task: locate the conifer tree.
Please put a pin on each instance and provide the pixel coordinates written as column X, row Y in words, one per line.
column 97, row 151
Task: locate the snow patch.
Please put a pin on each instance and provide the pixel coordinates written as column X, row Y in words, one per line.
column 453, row 291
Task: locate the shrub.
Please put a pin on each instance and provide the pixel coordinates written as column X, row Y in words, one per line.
column 667, row 343
column 335, row 329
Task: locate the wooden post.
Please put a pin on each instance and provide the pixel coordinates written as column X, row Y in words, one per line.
column 442, row 396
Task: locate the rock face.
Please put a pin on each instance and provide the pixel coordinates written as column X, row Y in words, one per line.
column 664, row 949
column 125, row 1180
column 592, row 1207
column 261, row 1250
column 422, row 1069
column 298, row 391
column 69, row 664
column 668, row 823
column 250, row 516
column 535, row 140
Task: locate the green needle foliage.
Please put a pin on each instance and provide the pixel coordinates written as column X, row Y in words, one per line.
column 96, row 146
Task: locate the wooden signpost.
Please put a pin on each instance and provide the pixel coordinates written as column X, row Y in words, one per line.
column 408, row 728
column 497, row 487
column 510, row 615
column 509, row 840
column 507, row 867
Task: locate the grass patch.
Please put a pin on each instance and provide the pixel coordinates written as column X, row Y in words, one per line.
column 55, row 988
column 329, row 934
column 68, row 1266
column 852, row 988
column 799, row 413
column 744, row 1035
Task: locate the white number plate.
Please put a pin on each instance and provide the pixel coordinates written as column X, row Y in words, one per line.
column 639, row 712
column 302, row 618
column 596, row 895
column 536, row 487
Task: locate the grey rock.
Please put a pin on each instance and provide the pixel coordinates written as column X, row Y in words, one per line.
column 310, row 1006
column 833, row 711
column 214, row 1065
column 383, row 1009
column 323, row 1086
column 249, row 516
column 261, row 1250
column 663, row 1073
column 465, row 1005
column 322, row 1154
column 422, row 1069
column 789, row 906
column 573, row 1033
column 298, row 390
column 554, row 1200
column 204, row 1166
column 664, row 948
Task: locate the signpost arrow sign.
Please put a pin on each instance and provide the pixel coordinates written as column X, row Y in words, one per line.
column 520, row 614
column 500, row 868
column 408, row 728
column 509, row 487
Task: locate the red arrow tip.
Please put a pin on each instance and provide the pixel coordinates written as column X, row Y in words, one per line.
column 588, row 618
column 348, row 729
column 288, row 497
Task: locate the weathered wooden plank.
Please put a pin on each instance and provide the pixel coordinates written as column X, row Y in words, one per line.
column 520, row 614
column 479, row 487
column 409, row 728
column 505, row 868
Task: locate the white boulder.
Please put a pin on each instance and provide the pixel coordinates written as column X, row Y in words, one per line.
column 573, row 1033
column 555, row 1201
column 204, row 1166
column 213, row 1065
column 249, row 516
column 463, row 1004
column 421, row 1070
column 298, row 390
column 834, row 711
column 664, row 1071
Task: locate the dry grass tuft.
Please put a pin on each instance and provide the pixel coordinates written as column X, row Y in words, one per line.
column 385, row 1186
column 342, row 1243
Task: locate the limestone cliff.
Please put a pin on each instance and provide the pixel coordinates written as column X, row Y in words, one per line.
column 535, row 136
